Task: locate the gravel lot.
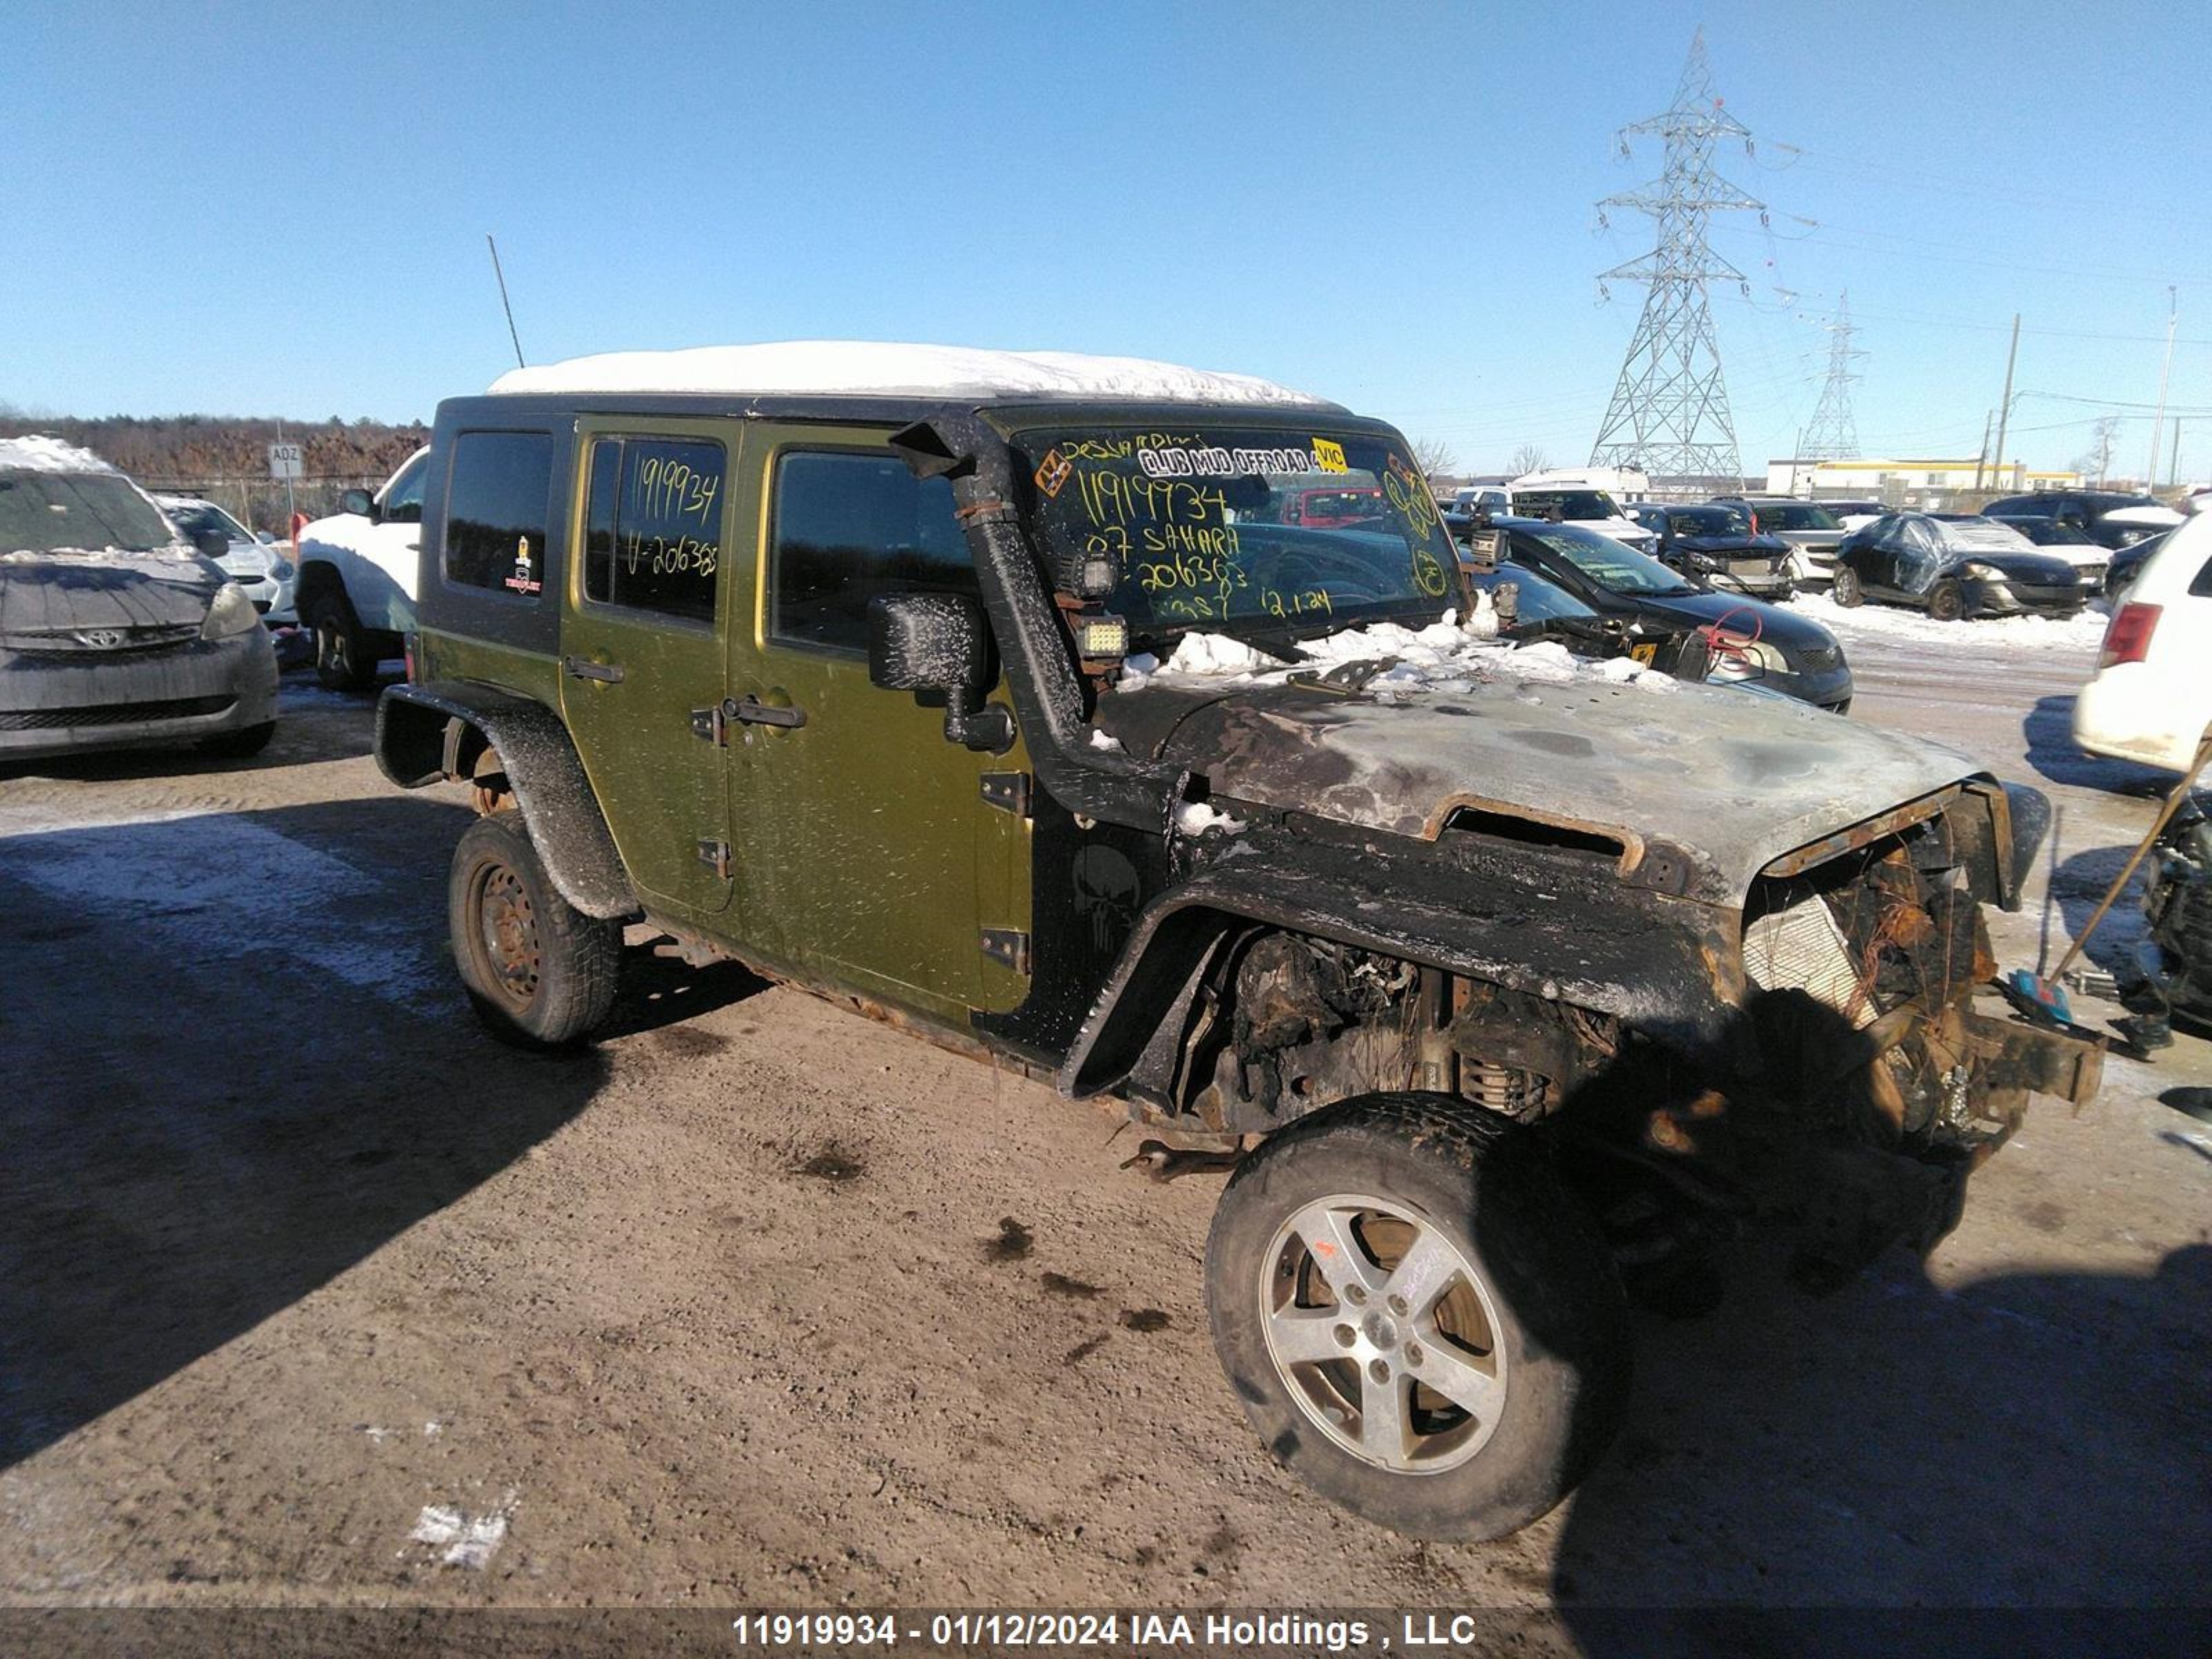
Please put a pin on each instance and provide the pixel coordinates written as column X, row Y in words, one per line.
column 311, row 1294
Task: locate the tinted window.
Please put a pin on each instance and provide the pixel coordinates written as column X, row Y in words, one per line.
column 848, row 527
column 653, row 539
column 2202, row 587
column 1706, row 521
column 496, row 510
column 197, row 518
column 402, row 501
column 1617, row 568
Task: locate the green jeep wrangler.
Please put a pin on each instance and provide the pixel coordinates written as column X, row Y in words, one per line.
column 990, row 694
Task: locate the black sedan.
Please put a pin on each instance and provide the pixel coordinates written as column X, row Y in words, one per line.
column 1751, row 642
column 1953, row 565
column 1716, row 545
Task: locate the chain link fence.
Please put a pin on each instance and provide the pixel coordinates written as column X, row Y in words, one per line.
column 262, row 503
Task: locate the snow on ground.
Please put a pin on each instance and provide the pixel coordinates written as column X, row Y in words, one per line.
column 1978, row 635
column 1442, row 657
column 889, row 369
column 196, row 881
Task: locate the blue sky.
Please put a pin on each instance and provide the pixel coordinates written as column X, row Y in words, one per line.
column 266, row 210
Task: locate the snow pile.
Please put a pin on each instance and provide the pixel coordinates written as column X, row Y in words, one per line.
column 1195, row 817
column 884, row 368
column 1968, row 639
column 1442, row 657
column 38, row 454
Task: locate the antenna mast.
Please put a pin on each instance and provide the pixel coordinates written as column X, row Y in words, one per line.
column 1669, row 413
column 508, row 309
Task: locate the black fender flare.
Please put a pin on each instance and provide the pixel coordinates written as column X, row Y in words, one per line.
column 424, row 734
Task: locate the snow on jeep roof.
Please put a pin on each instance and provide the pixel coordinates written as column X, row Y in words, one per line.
column 867, row 367
column 41, row 454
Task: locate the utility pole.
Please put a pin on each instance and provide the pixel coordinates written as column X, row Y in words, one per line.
column 2173, row 461
column 2165, row 373
column 2004, row 404
column 1669, row 412
column 1982, row 455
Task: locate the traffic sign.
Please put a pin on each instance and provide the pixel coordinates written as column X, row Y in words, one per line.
column 288, row 461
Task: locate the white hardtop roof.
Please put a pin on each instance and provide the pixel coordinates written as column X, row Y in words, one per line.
column 882, row 368
column 42, row 454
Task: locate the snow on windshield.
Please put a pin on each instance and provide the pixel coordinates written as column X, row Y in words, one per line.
column 888, row 369
column 41, row 454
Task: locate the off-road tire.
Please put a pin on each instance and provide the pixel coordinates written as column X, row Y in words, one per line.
column 345, row 655
column 1555, row 1306
column 1845, row 589
column 1946, row 602
column 540, row 972
column 241, row 745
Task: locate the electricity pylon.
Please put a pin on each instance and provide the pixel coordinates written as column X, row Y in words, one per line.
column 1669, row 413
column 1834, row 435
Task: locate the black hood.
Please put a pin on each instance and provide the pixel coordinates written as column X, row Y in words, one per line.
column 1777, row 624
column 1737, row 544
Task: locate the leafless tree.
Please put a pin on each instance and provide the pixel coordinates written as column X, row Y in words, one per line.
column 1434, row 457
column 1529, row 458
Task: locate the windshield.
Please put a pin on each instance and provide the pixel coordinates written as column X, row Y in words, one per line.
column 1572, row 503
column 197, row 518
column 64, row 512
column 1619, row 570
column 1211, row 527
column 1793, row 515
column 1706, row 521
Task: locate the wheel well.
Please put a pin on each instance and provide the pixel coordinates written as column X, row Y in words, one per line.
column 1238, row 1026
column 318, row 577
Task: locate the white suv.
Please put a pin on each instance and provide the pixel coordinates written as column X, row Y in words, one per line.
column 356, row 581
column 2151, row 698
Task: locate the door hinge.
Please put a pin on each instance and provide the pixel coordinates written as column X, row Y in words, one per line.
column 712, row 725
column 1007, row 791
column 1005, row 944
column 715, row 855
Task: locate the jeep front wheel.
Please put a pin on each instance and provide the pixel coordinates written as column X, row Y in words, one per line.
column 1422, row 1323
column 539, row 972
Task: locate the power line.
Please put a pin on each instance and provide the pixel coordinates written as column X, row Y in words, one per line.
column 1669, row 413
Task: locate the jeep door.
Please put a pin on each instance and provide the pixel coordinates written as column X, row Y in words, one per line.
column 869, row 855
column 642, row 656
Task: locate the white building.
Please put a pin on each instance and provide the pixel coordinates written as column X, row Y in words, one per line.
column 1928, row 483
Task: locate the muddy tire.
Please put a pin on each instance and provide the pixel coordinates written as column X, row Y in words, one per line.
column 1845, row 589
column 540, row 972
column 345, row 653
column 1946, row 602
column 1422, row 1323
column 241, row 745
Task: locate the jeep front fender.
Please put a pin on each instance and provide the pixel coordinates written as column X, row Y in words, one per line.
column 422, row 735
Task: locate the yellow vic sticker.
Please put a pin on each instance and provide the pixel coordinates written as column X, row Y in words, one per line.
column 1329, row 457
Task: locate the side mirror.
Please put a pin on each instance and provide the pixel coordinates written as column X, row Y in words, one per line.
column 358, row 500
column 212, row 544
column 266, row 538
column 939, row 645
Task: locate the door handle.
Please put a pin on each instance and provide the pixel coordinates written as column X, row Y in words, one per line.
column 749, row 710
column 583, row 668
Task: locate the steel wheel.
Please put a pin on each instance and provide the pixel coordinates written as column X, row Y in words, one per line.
column 1384, row 1333
column 506, row 935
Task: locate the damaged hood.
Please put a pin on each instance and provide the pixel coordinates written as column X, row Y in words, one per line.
column 1728, row 781
column 60, row 593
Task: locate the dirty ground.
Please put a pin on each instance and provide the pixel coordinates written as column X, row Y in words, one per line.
column 309, row 1293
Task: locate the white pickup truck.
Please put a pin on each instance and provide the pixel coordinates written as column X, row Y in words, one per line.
column 356, row 582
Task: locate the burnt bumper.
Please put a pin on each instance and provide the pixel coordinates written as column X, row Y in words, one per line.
column 62, row 703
